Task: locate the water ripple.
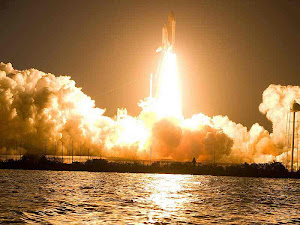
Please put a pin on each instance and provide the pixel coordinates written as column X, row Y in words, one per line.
column 51, row 197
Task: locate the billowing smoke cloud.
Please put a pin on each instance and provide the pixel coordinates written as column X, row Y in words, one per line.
column 277, row 102
column 39, row 109
column 36, row 106
column 254, row 145
column 181, row 143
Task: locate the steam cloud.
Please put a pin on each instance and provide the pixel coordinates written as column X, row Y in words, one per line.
column 39, row 109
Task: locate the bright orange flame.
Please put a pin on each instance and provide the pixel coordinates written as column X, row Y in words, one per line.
column 132, row 132
column 168, row 101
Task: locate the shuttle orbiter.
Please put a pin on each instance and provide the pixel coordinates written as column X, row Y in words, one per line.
column 168, row 34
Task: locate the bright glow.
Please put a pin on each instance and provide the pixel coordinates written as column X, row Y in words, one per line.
column 85, row 107
column 166, row 197
column 197, row 122
column 168, row 101
column 131, row 132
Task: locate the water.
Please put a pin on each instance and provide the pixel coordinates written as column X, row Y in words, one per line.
column 52, row 197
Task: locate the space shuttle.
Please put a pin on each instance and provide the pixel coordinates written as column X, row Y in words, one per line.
column 168, row 42
column 168, row 34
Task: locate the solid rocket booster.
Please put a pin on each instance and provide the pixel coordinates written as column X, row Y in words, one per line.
column 168, row 34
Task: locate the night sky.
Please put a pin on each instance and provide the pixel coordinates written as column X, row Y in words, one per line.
column 228, row 51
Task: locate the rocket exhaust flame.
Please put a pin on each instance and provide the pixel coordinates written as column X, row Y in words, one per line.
column 168, row 101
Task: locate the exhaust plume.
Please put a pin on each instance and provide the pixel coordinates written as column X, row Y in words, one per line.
column 38, row 106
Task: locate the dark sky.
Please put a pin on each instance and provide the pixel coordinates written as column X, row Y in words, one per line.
column 228, row 51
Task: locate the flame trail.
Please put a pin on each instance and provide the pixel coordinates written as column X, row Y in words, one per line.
column 168, row 103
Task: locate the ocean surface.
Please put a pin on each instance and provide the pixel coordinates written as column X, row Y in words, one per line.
column 51, row 197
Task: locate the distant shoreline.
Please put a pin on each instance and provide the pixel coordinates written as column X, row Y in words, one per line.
column 270, row 170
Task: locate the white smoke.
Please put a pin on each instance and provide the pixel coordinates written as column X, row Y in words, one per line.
column 38, row 106
column 277, row 102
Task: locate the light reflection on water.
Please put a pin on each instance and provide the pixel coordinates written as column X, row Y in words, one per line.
column 115, row 198
column 164, row 195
